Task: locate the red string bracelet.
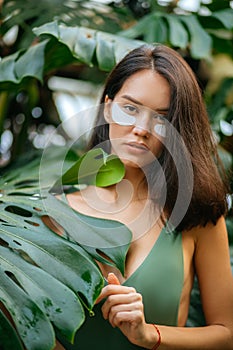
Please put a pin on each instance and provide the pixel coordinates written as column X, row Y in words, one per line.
column 159, row 335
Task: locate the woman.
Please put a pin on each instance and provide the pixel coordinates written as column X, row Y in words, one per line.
column 173, row 200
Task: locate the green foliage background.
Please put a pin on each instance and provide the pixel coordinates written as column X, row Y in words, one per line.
column 81, row 39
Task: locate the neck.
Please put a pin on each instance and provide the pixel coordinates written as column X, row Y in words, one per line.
column 135, row 182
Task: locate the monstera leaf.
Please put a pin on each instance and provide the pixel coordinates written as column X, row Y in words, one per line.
column 48, row 279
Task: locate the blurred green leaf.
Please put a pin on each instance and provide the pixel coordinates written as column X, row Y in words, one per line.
column 200, row 40
column 178, row 35
column 225, row 17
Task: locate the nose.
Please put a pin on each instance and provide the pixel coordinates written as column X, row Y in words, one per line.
column 142, row 126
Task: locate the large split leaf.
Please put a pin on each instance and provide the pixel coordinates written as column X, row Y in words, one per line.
column 48, row 279
column 54, row 298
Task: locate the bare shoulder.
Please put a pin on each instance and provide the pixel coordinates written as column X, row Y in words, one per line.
column 212, row 265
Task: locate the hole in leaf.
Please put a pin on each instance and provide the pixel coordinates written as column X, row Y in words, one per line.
column 28, row 183
column 3, row 243
column 13, row 278
column 16, row 242
column 19, row 194
column 18, row 211
column 37, row 209
column 27, row 258
column 103, row 255
column 32, row 223
column 1, row 220
column 53, row 225
column 100, row 156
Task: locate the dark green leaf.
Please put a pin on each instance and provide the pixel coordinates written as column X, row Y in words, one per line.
column 33, row 326
column 8, row 336
column 68, row 263
column 108, row 236
column 57, row 301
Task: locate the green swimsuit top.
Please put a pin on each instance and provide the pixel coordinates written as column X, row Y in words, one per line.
column 159, row 279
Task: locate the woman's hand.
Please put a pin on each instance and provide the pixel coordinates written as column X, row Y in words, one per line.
column 124, row 309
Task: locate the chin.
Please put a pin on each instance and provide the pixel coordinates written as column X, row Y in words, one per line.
column 135, row 162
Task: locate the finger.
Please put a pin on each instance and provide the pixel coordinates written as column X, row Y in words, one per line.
column 125, row 313
column 112, row 289
column 122, row 300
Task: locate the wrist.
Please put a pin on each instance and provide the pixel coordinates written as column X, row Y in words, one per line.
column 157, row 337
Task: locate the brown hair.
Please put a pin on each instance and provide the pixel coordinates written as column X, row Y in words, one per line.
column 188, row 115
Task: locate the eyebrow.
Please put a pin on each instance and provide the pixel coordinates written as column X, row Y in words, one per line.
column 127, row 97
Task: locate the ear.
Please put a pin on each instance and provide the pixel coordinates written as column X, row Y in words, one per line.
column 107, row 109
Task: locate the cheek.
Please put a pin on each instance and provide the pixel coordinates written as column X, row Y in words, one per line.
column 157, row 147
column 117, row 131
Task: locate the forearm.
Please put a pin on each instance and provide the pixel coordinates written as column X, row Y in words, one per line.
column 212, row 337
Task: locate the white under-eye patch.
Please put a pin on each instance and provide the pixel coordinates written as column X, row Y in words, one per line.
column 160, row 129
column 120, row 117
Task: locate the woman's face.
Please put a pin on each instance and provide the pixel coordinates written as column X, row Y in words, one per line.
column 136, row 118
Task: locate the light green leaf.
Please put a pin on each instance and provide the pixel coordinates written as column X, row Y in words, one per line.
column 94, row 168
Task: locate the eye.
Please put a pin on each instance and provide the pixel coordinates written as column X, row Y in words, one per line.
column 159, row 118
column 130, row 109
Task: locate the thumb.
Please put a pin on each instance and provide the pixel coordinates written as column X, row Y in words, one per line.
column 112, row 279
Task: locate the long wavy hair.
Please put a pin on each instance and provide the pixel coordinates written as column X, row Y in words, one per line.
column 187, row 114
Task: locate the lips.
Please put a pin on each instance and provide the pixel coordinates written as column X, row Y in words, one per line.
column 137, row 145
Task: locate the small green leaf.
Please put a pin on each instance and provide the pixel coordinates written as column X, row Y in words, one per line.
column 94, row 168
